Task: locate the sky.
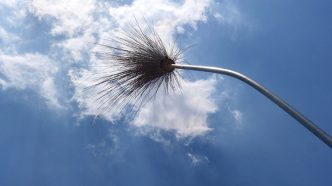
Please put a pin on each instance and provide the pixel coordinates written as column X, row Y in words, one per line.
column 218, row 130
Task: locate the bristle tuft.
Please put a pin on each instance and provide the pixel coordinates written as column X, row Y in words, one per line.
column 143, row 66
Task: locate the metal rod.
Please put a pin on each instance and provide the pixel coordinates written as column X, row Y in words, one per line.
column 321, row 134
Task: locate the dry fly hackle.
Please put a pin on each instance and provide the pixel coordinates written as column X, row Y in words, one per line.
column 139, row 64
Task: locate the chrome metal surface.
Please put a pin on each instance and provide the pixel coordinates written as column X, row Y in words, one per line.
column 321, row 134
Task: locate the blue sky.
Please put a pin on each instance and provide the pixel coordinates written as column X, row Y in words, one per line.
column 219, row 130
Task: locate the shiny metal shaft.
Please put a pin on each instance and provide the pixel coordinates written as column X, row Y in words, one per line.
column 321, row 134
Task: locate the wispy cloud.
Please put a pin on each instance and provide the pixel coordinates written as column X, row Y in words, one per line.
column 237, row 116
column 197, row 159
column 228, row 13
column 6, row 37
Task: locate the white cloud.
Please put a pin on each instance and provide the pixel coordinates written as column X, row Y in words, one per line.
column 184, row 112
column 71, row 17
column 14, row 11
column 166, row 15
column 9, row 3
column 6, row 37
column 24, row 71
column 227, row 12
column 76, row 46
column 82, row 23
column 237, row 116
column 86, row 98
column 29, row 71
column 197, row 159
column 78, row 21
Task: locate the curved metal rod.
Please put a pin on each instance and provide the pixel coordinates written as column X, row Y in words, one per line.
column 322, row 135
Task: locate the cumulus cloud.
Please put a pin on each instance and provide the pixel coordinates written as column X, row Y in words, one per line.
column 70, row 17
column 184, row 112
column 83, row 22
column 75, row 25
column 167, row 16
column 29, row 71
column 74, row 20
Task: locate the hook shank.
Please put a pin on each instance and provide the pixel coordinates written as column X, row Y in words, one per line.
column 321, row 134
